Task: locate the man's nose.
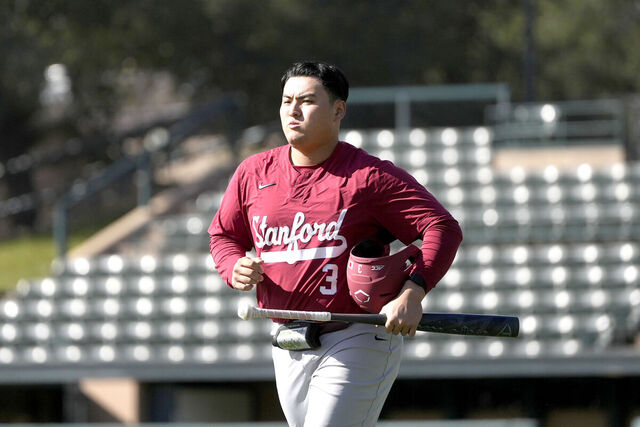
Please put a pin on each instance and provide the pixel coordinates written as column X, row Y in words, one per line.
column 294, row 109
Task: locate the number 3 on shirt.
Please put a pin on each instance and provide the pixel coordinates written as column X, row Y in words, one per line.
column 332, row 278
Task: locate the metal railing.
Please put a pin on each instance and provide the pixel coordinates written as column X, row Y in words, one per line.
column 403, row 97
column 158, row 139
column 588, row 122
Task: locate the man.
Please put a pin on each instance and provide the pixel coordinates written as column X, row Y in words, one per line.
column 302, row 207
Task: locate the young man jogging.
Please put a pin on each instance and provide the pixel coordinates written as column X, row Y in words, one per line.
column 303, row 207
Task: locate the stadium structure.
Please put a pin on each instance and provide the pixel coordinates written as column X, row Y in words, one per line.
column 135, row 325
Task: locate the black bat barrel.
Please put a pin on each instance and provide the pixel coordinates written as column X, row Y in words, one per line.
column 489, row 325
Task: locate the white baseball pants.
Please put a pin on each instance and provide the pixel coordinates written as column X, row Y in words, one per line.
column 345, row 382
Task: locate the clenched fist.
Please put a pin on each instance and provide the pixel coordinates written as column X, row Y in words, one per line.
column 247, row 272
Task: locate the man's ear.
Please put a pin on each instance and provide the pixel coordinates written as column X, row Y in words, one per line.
column 339, row 109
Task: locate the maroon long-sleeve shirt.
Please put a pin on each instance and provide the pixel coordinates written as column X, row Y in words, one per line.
column 303, row 222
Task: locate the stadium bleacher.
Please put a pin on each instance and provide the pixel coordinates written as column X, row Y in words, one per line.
column 556, row 245
column 559, row 248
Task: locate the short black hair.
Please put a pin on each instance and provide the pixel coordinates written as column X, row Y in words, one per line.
column 333, row 80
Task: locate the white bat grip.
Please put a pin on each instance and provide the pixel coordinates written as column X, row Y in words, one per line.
column 318, row 316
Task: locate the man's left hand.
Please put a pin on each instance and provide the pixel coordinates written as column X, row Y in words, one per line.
column 404, row 312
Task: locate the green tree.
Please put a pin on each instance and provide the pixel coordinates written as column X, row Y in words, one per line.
column 584, row 49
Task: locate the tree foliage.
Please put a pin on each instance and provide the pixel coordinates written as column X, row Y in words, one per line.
column 584, row 49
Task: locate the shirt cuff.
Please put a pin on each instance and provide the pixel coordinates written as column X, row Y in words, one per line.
column 418, row 280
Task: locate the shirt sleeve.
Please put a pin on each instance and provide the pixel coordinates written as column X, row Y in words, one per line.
column 229, row 233
column 410, row 212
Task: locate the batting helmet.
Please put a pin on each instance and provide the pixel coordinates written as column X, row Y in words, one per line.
column 374, row 277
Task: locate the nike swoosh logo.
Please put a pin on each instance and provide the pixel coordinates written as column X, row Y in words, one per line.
column 261, row 186
column 377, row 338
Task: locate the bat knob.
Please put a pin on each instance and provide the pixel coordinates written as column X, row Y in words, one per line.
column 244, row 310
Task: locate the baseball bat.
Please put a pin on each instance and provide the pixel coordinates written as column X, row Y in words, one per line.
column 487, row 325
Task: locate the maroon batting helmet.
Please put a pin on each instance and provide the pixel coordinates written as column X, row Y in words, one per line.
column 374, row 277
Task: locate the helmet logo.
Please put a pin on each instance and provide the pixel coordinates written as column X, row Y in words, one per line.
column 361, row 296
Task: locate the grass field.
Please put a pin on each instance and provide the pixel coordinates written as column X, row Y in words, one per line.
column 31, row 256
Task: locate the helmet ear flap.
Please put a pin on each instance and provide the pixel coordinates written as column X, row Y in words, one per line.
column 409, row 262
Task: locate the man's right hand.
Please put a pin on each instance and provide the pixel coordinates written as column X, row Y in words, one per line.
column 246, row 273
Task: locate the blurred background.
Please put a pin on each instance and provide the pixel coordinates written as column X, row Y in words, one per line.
column 121, row 122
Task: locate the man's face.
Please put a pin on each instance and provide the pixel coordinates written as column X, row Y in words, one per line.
column 308, row 116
